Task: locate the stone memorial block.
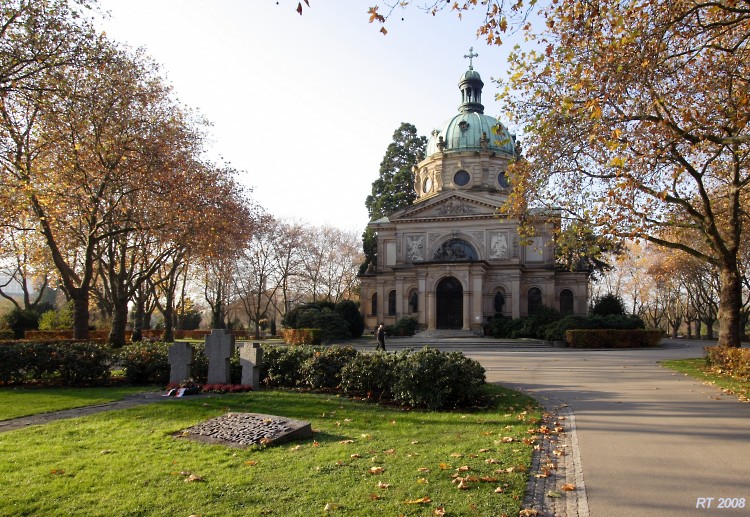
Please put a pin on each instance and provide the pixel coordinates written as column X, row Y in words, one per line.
column 251, row 359
column 219, row 349
column 180, row 359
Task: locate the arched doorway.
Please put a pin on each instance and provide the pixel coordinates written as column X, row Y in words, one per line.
column 450, row 304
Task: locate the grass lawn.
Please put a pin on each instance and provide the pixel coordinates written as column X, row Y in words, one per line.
column 364, row 459
column 697, row 369
column 16, row 402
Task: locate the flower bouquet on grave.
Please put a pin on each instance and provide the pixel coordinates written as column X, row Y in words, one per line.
column 182, row 389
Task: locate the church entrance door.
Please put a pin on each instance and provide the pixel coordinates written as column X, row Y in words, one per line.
column 450, row 304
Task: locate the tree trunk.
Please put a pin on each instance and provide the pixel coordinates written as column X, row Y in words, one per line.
column 730, row 303
column 138, row 318
column 80, row 298
column 119, row 322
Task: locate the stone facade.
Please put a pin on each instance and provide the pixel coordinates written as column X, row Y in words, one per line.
column 451, row 259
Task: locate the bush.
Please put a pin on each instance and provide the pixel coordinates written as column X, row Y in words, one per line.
column 84, row 363
column 66, row 363
column 57, row 319
column 436, row 380
column 370, row 375
column 323, row 368
column 339, row 321
column 613, row 338
column 145, row 363
column 301, row 336
column 405, row 326
column 608, row 304
column 282, row 366
column 349, row 310
column 556, row 331
column 734, row 361
column 21, row 320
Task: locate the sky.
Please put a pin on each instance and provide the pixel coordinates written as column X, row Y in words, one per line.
column 305, row 106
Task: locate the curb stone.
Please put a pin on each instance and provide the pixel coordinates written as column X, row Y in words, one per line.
column 561, row 450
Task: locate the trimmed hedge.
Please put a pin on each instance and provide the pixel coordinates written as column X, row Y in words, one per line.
column 734, row 361
column 69, row 364
column 613, row 338
column 103, row 335
column 301, row 336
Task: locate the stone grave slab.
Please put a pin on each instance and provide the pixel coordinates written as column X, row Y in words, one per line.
column 243, row 430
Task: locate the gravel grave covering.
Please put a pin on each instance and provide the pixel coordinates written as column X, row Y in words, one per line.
column 247, row 429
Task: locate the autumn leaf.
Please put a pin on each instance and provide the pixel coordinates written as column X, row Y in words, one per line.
column 568, row 487
column 329, row 507
column 423, row 469
column 383, row 485
column 194, row 478
column 251, row 462
column 422, row 481
column 346, row 441
column 376, row 470
column 444, row 466
column 423, row 500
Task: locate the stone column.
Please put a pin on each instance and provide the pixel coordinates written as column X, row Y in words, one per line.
column 430, row 309
column 467, row 310
column 180, row 359
column 515, row 298
column 251, row 359
column 219, row 349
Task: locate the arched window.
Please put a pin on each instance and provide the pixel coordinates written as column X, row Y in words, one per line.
column 566, row 302
column 535, row 300
column 392, row 303
column 374, row 305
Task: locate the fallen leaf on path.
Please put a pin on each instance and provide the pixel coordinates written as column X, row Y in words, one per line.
column 568, row 487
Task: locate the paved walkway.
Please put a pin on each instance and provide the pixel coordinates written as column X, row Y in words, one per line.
column 650, row 441
column 639, row 440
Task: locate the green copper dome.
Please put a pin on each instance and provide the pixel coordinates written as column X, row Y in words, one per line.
column 471, row 129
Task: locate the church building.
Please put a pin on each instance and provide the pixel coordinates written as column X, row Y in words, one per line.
column 451, row 259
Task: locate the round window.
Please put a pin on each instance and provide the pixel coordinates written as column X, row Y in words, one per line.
column 427, row 185
column 502, row 179
column 461, row 178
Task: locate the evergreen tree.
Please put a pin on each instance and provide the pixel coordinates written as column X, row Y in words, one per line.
column 394, row 189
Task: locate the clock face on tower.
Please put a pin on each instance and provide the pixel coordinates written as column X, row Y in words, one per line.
column 427, row 185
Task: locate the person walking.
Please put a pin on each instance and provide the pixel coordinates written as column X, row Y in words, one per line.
column 380, row 335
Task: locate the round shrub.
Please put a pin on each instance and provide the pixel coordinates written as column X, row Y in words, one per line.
column 370, row 375
column 21, row 320
column 323, row 368
column 608, row 304
column 405, row 326
column 146, row 363
column 282, row 366
column 349, row 310
column 436, row 380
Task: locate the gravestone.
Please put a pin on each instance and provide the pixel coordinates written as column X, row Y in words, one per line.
column 180, row 359
column 219, row 349
column 251, row 359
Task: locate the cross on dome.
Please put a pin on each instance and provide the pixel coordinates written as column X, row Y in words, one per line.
column 471, row 55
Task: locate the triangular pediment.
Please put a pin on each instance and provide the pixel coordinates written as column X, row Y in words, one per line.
column 451, row 205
